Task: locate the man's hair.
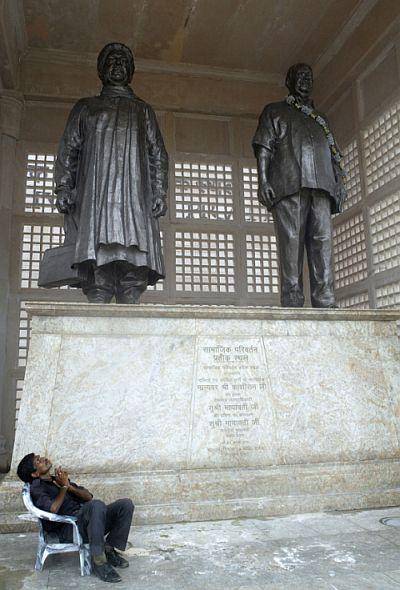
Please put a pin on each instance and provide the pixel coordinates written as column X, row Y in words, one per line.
column 26, row 468
column 291, row 75
column 105, row 52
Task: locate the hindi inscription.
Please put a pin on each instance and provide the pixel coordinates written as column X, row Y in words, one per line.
column 231, row 408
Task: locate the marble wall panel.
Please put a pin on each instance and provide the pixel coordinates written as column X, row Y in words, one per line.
column 126, row 400
column 389, row 352
column 35, row 412
column 331, row 399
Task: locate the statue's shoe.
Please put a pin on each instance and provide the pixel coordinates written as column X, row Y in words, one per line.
column 98, row 295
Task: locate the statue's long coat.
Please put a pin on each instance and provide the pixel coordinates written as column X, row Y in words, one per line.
column 113, row 162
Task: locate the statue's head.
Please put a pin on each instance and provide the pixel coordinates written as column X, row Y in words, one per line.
column 115, row 65
column 299, row 80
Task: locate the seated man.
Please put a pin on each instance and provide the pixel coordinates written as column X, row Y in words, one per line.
column 59, row 495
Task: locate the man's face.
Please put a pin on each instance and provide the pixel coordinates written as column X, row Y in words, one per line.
column 303, row 82
column 42, row 466
column 116, row 69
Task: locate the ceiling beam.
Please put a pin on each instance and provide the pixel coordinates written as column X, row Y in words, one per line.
column 148, row 66
column 362, row 10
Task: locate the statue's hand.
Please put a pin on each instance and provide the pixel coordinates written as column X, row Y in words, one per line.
column 159, row 207
column 341, row 193
column 266, row 195
column 64, row 203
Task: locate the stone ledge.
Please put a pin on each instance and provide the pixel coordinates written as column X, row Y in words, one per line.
column 45, row 308
column 168, row 496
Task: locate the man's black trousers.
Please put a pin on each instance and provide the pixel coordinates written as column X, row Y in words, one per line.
column 304, row 220
column 96, row 520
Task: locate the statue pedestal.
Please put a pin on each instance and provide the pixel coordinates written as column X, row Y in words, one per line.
column 211, row 412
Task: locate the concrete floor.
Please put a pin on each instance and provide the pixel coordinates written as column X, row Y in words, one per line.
column 343, row 551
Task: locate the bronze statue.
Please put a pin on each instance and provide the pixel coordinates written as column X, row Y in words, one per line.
column 111, row 178
column 300, row 174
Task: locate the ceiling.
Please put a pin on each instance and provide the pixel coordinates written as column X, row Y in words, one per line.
column 254, row 35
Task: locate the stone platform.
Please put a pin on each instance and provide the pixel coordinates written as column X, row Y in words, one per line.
column 214, row 412
column 341, row 551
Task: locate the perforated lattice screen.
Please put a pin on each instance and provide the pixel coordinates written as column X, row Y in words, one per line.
column 358, row 301
column 353, row 180
column 203, row 191
column 388, row 295
column 205, row 262
column 159, row 286
column 350, row 254
column 39, row 186
column 382, row 148
column 379, row 166
column 253, row 211
column 23, row 335
column 385, row 232
column 262, row 264
column 37, row 239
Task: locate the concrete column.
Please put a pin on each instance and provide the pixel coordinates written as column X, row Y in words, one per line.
column 11, row 106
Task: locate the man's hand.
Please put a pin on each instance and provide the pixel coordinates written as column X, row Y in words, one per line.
column 159, row 207
column 64, row 202
column 62, row 482
column 62, row 477
column 266, row 195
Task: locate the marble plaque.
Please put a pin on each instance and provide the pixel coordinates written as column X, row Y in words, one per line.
column 232, row 417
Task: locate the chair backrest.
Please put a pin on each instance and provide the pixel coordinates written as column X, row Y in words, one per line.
column 26, row 497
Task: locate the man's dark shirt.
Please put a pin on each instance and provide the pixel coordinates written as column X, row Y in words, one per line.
column 43, row 494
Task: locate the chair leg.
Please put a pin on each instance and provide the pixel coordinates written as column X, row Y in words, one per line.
column 40, row 557
column 84, row 558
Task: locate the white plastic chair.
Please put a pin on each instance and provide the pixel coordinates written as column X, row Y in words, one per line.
column 44, row 547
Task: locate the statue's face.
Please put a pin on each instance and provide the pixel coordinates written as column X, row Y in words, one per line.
column 116, row 69
column 303, row 82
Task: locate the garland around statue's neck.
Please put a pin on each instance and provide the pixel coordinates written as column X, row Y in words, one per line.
column 309, row 112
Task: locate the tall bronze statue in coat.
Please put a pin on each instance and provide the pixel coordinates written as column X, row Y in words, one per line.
column 300, row 175
column 111, row 178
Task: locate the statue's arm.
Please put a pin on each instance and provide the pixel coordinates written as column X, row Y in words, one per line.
column 263, row 146
column 266, row 195
column 67, row 160
column 158, row 162
column 341, row 191
column 340, row 176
